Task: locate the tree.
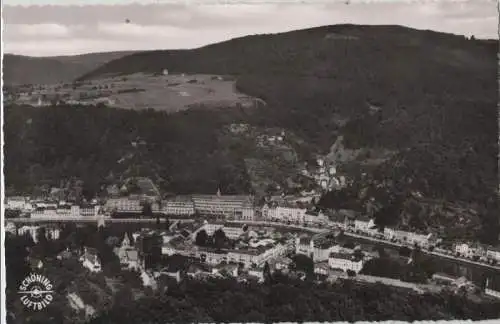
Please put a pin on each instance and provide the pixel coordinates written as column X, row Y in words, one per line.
column 267, row 273
column 219, row 238
column 405, row 251
column 201, row 238
column 351, row 273
column 147, row 210
column 303, row 263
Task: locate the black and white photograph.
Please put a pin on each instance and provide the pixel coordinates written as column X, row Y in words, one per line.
column 240, row 162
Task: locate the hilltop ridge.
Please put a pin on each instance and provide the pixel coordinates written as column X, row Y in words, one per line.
column 20, row 69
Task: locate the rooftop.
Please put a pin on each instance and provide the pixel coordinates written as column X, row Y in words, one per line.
column 236, row 198
column 305, row 240
column 345, row 256
column 185, row 198
column 494, row 248
column 363, row 218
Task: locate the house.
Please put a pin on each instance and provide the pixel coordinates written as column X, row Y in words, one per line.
column 64, row 255
column 322, row 247
column 257, row 273
column 490, row 289
column 165, row 272
column 232, row 206
column 493, row 253
column 363, row 224
column 148, row 280
column 10, row 228
column 178, row 206
column 195, row 270
column 284, row 213
column 31, row 230
column 321, row 268
column 90, row 260
column 345, row 261
column 462, row 249
column 230, row 269
column 232, row 231
column 35, row 263
column 129, row 258
column 315, row 218
column 478, row 250
column 282, row 263
column 304, row 245
column 17, row 203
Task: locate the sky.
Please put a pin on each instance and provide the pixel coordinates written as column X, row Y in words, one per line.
column 38, row 30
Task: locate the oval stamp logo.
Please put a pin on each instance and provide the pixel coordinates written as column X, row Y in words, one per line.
column 36, row 291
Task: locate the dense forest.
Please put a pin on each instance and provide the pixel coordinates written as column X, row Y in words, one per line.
column 180, row 152
column 432, row 96
column 285, row 299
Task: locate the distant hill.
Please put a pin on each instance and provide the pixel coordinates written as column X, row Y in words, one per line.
column 45, row 70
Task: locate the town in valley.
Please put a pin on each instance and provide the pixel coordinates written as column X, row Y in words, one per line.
column 333, row 169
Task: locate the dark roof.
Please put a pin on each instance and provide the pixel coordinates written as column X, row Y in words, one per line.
column 346, row 256
column 305, row 240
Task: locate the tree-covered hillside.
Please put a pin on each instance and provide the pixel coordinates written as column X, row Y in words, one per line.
column 430, row 94
column 99, row 146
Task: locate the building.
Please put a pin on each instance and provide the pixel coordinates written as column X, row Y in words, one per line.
column 232, row 231
column 212, row 257
column 364, row 224
column 322, row 249
column 226, row 269
column 128, row 255
column 50, row 232
column 90, row 260
column 257, row 272
column 17, row 203
column 463, row 249
column 478, row 250
column 66, row 211
column 304, row 245
column 123, row 205
column 244, row 256
column 284, row 213
column 247, row 213
column 10, row 228
column 282, row 263
column 493, row 253
column 345, row 262
column 229, row 206
column 410, row 238
column 490, row 290
column 178, row 206
column 443, row 278
column 322, row 268
column 315, row 218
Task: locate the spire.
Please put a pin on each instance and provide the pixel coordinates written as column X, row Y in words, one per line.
column 126, row 241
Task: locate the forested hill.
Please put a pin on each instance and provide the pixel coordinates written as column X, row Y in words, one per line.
column 432, row 94
column 20, row 69
column 428, row 96
column 418, row 79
